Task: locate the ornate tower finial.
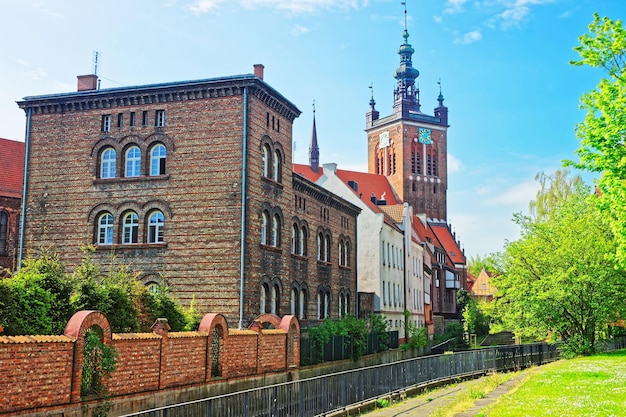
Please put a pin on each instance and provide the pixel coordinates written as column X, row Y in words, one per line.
column 372, row 102
column 314, row 150
column 440, row 98
column 441, row 111
column 405, row 93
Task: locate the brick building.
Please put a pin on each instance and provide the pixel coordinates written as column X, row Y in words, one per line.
column 11, row 179
column 190, row 184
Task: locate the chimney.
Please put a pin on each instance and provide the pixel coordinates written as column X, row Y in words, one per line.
column 87, row 82
column 373, row 198
column 258, row 70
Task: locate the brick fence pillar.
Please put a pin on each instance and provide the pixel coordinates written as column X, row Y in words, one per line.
column 76, row 329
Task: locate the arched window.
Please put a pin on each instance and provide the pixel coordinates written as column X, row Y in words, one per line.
column 294, row 302
column 4, row 232
column 303, row 239
column 276, row 230
column 342, row 253
column 266, row 160
column 105, row 229
column 275, row 299
column 295, row 235
column 107, row 163
column 327, row 247
column 303, row 304
column 265, row 220
column 158, row 154
column 265, row 295
column 320, row 246
column 133, row 162
column 347, row 253
column 320, row 305
column 153, row 287
column 277, row 166
column 131, row 228
column 155, row 227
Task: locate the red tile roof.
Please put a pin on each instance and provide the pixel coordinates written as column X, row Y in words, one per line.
column 442, row 232
column 307, row 172
column 369, row 185
column 11, row 168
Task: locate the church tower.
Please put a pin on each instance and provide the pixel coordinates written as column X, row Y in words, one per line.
column 410, row 147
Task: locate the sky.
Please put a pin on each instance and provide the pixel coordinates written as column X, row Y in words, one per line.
column 503, row 68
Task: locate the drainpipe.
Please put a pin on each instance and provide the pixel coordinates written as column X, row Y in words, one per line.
column 23, row 215
column 357, row 312
column 244, row 169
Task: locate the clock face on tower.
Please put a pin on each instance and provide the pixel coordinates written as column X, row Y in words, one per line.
column 423, row 135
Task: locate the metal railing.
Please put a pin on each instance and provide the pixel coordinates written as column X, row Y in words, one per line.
column 324, row 394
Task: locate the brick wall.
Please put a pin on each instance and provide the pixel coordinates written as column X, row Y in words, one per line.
column 43, row 372
column 35, row 371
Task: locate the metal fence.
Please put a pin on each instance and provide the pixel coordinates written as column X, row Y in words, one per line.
column 340, row 347
column 323, row 394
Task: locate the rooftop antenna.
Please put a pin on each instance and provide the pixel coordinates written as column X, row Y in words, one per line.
column 95, row 62
column 95, row 66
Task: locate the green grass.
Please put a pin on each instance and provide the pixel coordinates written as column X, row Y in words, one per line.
column 586, row 386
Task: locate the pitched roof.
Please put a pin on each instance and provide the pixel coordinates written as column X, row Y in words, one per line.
column 11, row 168
column 368, row 186
column 395, row 212
column 444, row 236
column 307, row 172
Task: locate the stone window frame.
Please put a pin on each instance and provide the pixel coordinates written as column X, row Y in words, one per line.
column 272, row 160
column 132, row 163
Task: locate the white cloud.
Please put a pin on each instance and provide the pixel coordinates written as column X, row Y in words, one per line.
column 438, row 19
column 204, row 6
column 36, row 74
column 454, row 6
column 23, row 62
column 517, row 195
column 469, row 37
column 298, row 30
column 454, row 164
column 516, row 10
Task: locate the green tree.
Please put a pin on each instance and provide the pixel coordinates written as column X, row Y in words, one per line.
column 602, row 133
column 378, row 326
column 35, row 300
column 557, row 279
column 553, row 189
column 474, row 319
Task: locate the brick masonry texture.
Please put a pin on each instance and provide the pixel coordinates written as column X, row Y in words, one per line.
column 43, row 372
column 200, row 193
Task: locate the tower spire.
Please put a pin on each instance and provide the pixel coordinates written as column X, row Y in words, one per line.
column 314, row 150
column 441, row 111
column 405, row 94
